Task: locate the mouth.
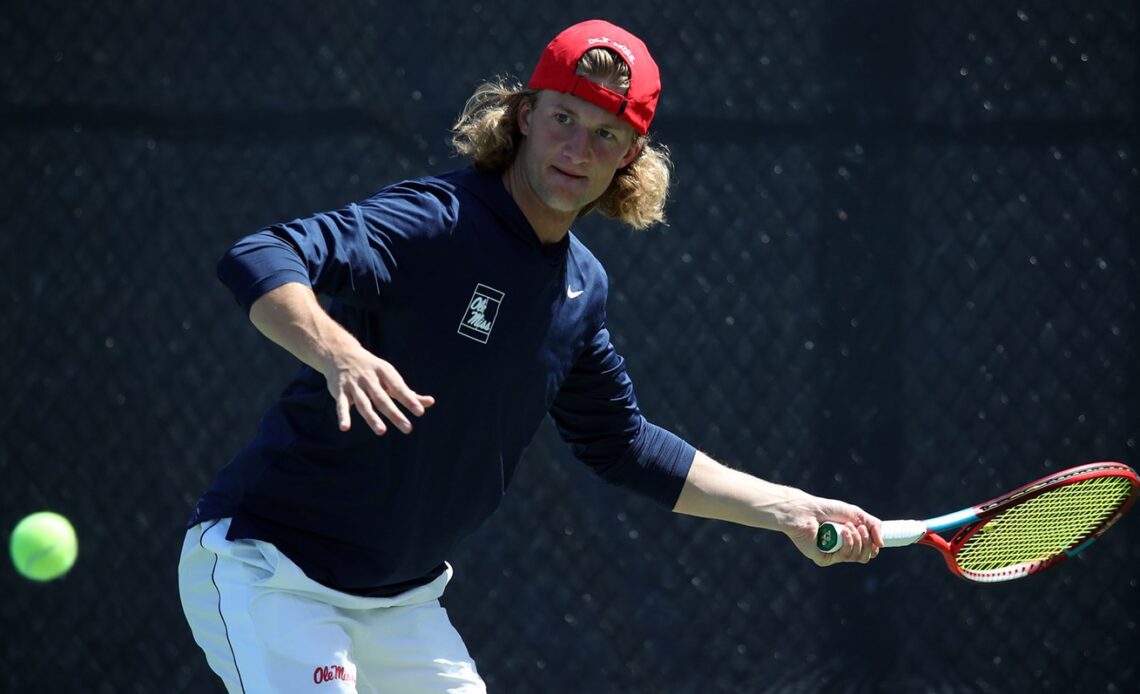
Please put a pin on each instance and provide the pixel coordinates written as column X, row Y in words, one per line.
column 568, row 175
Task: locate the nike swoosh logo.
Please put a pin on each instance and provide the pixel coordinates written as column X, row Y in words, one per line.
column 574, row 294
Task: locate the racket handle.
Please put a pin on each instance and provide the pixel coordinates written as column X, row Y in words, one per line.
column 897, row 533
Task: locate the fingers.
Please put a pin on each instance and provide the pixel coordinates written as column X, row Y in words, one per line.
column 387, row 406
column 414, row 402
column 876, row 527
column 860, row 533
column 867, row 549
column 343, row 410
column 858, row 543
column 362, row 399
column 852, row 543
column 375, row 396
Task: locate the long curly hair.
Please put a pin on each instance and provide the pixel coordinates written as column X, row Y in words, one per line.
column 487, row 132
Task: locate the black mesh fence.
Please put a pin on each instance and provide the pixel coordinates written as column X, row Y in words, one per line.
column 900, row 269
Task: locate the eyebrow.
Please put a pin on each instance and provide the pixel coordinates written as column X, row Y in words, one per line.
column 614, row 125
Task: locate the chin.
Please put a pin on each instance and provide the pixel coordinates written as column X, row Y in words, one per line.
column 563, row 202
column 570, row 207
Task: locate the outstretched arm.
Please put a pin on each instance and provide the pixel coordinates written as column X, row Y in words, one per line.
column 712, row 490
column 291, row 316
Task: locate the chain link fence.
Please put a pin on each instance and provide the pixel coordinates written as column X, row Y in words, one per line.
column 900, row 269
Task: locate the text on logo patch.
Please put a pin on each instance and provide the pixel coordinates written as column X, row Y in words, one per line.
column 481, row 312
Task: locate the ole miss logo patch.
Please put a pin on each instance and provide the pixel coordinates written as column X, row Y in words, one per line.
column 481, row 312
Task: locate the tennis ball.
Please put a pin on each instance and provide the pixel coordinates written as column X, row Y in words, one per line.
column 43, row 546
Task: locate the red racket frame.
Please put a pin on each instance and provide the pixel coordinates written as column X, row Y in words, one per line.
column 984, row 512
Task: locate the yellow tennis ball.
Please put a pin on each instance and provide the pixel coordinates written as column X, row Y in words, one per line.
column 43, row 546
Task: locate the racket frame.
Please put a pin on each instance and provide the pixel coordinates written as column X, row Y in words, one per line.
column 974, row 518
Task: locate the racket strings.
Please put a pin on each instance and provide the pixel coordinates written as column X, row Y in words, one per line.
column 1044, row 526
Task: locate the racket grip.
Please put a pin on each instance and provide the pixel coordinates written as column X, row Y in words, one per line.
column 898, row 533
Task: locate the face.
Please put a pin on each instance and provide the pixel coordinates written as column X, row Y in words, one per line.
column 570, row 152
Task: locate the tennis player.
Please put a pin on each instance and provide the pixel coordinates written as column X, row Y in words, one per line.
column 463, row 303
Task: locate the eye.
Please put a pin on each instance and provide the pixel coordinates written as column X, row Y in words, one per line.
column 606, row 134
column 561, row 118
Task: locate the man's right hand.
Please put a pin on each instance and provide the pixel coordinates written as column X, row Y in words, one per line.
column 356, row 377
column 291, row 316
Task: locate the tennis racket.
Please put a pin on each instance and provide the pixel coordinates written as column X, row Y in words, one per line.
column 1021, row 533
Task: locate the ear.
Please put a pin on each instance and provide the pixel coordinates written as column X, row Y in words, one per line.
column 526, row 110
column 634, row 150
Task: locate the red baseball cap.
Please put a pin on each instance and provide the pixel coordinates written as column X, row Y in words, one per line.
column 558, row 63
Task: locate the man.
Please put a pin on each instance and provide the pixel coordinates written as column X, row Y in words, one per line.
column 461, row 302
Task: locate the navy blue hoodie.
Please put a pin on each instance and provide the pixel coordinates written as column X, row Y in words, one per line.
column 444, row 278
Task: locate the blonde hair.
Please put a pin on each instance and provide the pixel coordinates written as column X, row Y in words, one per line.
column 487, row 132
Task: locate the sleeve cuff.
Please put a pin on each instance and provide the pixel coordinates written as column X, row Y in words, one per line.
column 251, row 293
column 656, row 466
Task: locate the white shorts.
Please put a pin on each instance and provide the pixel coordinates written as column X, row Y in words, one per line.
column 267, row 627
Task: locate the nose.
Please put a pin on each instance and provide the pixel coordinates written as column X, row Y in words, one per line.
column 577, row 146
